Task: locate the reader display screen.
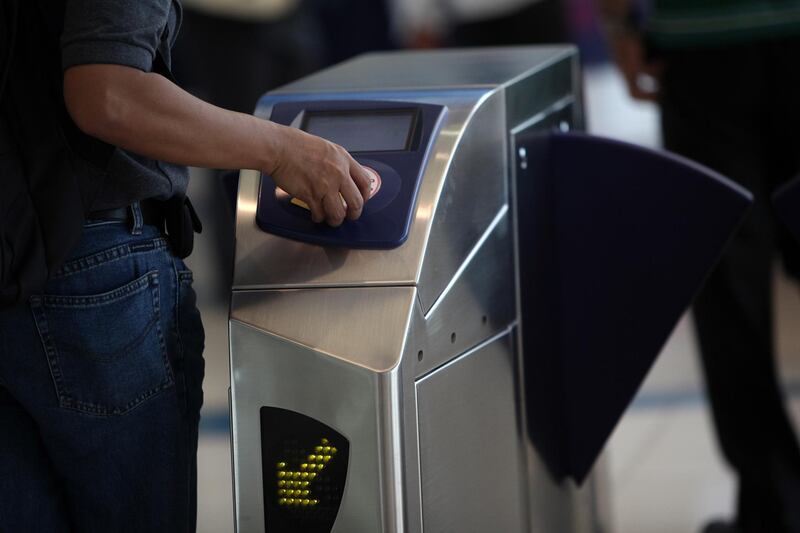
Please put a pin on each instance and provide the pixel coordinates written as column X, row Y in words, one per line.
column 364, row 131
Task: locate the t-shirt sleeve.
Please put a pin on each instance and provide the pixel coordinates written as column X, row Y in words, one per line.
column 119, row 32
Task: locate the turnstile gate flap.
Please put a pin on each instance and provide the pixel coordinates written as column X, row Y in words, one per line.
column 615, row 241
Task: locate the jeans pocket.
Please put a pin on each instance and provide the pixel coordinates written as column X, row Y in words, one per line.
column 106, row 351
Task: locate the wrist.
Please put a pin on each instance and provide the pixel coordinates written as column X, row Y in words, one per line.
column 270, row 151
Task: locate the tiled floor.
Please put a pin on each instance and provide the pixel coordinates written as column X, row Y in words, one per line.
column 664, row 470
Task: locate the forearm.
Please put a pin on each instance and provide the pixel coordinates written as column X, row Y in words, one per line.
column 147, row 114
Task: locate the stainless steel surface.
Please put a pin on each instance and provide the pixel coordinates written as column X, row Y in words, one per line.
column 351, row 399
column 432, row 69
column 410, row 353
column 474, row 191
column 558, row 82
column 471, row 445
column 365, row 327
column 473, row 308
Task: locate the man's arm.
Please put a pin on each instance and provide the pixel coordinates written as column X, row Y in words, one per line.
column 627, row 49
column 147, row 114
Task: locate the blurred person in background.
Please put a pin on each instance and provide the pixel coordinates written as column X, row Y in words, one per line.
column 230, row 52
column 352, row 27
column 726, row 77
column 434, row 23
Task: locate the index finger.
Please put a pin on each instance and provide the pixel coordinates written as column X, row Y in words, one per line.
column 361, row 177
column 352, row 198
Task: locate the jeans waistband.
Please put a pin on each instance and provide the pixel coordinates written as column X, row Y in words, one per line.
column 137, row 214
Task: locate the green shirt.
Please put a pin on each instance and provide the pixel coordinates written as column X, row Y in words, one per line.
column 702, row 23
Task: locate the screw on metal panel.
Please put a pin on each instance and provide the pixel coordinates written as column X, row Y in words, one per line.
column 523, row 157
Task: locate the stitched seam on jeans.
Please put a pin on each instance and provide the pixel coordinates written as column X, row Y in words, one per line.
column 110, row 255
column 49, row 349
column 83, row 302
column 65, row 400
column 180, row 380
column 102, row 410
column 114, row 355
column 164, row 352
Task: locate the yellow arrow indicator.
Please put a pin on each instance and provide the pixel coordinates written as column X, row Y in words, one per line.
column 324, row 454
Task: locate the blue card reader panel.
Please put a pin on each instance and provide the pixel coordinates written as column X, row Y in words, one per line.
column 392, row 138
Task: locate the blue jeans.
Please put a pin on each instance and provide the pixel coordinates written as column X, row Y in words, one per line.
column 100, row 391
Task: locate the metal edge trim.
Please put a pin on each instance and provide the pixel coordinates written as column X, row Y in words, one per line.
column 468, row 260
column 469, row 351
column 467, row 121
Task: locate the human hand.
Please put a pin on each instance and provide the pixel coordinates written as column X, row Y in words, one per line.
column 642, row 78
column 321, row 174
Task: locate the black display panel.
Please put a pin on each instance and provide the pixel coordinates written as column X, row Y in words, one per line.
column 364, row 131
column 304, row 466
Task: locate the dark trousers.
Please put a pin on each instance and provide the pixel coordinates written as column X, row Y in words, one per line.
column 100, row 392
column 737, row 110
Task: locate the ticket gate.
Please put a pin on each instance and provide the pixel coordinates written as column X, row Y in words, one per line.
column 447, row 362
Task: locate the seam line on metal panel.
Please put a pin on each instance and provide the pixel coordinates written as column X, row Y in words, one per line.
column 472, row 253
column 258, row 288
column 465, row 353
column 538, row 117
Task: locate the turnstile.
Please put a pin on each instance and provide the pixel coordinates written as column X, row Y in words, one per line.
column 377, row 369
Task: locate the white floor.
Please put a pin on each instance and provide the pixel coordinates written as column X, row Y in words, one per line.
column 664, row 469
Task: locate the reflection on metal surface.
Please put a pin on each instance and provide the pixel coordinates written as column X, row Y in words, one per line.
column 475, row 190
column 246, row 206
column 471, row 451
column 437, row 70
column 366, row 327
column 350, row 399
column 455, row 280
column 473, row 309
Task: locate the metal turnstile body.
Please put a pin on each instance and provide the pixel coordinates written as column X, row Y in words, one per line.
column 409, row 353
column 376, row 369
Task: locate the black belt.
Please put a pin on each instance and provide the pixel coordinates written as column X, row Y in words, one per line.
column 152, row 214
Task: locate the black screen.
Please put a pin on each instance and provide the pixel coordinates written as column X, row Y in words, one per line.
column 368, row 131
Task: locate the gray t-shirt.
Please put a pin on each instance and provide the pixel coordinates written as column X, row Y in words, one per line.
column 129, row 33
